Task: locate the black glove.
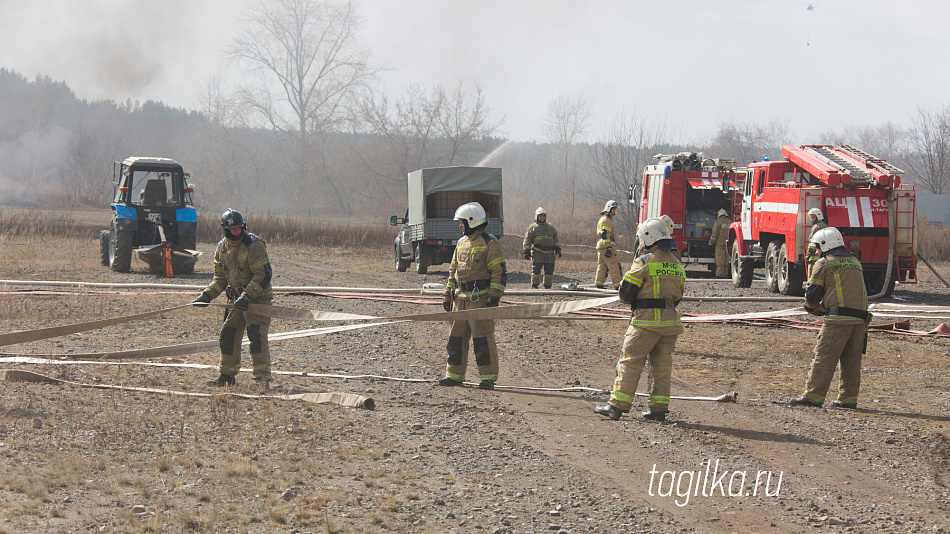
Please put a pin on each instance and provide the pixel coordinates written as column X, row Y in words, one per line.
column 527, row 254
column 608, row 253
column 447, row 302
column 203, row 299
column 242, row 302
column 493, row 302
column 557, row 250
column 603, row 234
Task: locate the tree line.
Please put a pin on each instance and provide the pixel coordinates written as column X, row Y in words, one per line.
column 308, row 132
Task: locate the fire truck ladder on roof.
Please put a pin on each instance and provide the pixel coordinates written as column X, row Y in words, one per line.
column 859, row 176
column 877, row 163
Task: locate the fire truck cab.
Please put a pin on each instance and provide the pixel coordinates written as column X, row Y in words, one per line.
column 860, row 195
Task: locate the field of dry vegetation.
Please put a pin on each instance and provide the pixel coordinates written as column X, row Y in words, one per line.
column 84, row 458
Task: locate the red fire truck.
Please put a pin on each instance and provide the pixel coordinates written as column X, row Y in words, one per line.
column 691, row 190
column 860, row 195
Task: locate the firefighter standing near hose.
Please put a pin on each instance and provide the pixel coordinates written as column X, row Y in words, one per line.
column 608, row 257
column 836, row 291
column 477, row 279
column 242, row 271
column 720, row 238
column 669, row 226
column 817, row 223
column 653, row 287
column 540, row 242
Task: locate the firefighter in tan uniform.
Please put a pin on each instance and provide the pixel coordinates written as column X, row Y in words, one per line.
column 836, row 291
column 669, row 226
column 242, row 271
column 477, row 279
column 817, row 223
column 608, row 257
column 540, row 241
column 720, row 238
column 653, row 287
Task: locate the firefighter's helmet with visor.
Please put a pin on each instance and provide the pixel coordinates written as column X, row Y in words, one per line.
column 473, row 214
column 651, row 231
column 827, row 239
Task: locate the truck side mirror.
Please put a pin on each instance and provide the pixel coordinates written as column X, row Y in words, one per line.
column 393, row 220
column 630, row 195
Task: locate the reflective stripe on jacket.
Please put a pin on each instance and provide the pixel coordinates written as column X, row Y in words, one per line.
column 837, row 281
column 655, row 275
column 242, row 263
column 540, row 239
column 478, row 257
column 606, row 223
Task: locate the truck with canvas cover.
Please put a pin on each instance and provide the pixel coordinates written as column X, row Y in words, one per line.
column 429, row 232
column 690, row 189
column 153, row 214
column 860, row 195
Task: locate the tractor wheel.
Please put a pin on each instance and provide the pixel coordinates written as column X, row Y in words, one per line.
column 771, row 267
column 741, row 268
column 104, row 247
column 190, row 242
column 421, row 261
column 120, row 249
column 401, row 264
column 791, row 276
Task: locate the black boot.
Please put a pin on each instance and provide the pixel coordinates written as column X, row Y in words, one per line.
column 650, row 415
column 599, row 286
column 449, row 382
column 802, row 401
column 486, row 384
column 610, row 411
column 534, row 286
column 223, row 380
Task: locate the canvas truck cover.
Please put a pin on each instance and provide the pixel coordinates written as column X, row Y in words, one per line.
column 427, row 181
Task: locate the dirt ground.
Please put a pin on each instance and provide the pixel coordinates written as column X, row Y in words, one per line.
column 431, row 459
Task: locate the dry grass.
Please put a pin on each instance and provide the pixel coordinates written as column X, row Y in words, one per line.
column 933, row 241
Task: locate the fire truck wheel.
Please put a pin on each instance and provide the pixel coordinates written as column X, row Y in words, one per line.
column 741, row 268
column 771, row 267
column 791, row 276
column 874, row 281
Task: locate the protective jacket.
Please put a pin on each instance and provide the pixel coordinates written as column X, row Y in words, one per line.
column 478, row 268
column 605, row 233
column 836, row 288
column 720, row 232
column 653, row 287
column 541, row 240
column 812, row 254
column 243, row 266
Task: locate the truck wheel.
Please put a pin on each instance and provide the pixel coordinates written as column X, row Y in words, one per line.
column 771, row 267
column 178, row 267
column 421, row 261
column 741, row 268
column 401, row 264
column 791, row 276
column 120, row 249
column 104, row 247
column 874, row 282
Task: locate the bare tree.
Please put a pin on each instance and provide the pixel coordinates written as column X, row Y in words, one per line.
column 750, row 142
column 310, row 69
column 463, row 121
column 883, row 141
column 928, row 158
column 566, row 124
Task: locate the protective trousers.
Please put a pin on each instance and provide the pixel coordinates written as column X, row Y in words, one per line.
column 536, row 274
column 842, row 343
column 722, row 261
column 638, row 345
column 482, row 334
column 232, row 334
column 612, row 264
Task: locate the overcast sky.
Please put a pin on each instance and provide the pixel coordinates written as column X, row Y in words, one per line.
column 694, row 63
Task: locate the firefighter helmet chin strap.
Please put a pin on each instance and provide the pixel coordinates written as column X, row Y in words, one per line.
column 466, row 229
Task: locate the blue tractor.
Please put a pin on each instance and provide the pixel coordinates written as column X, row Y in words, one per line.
column 153, row 214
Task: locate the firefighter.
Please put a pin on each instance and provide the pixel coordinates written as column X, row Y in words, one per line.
column 243, row 272
column 720, row 238
column 669, row 225
column 477, row 279
column 540, row 241
column 652, row 287
column 836, row 291
column 817, row 223
column 608, row 257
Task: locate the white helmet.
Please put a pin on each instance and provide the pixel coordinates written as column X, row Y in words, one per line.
column 827, row 239
column 610, row 205
column 723, row 212
column 669, row 222
column 472, row 213
column 540, row 211
column 652, row 230
column 817, row 213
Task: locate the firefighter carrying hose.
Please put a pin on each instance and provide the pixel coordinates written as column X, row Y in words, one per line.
column 477, row 279
column 836, row 291
column 817, row 223
column 242, row 271
column 652, row 287
column 540, row 241
column 720, row 238
column 608, row 257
